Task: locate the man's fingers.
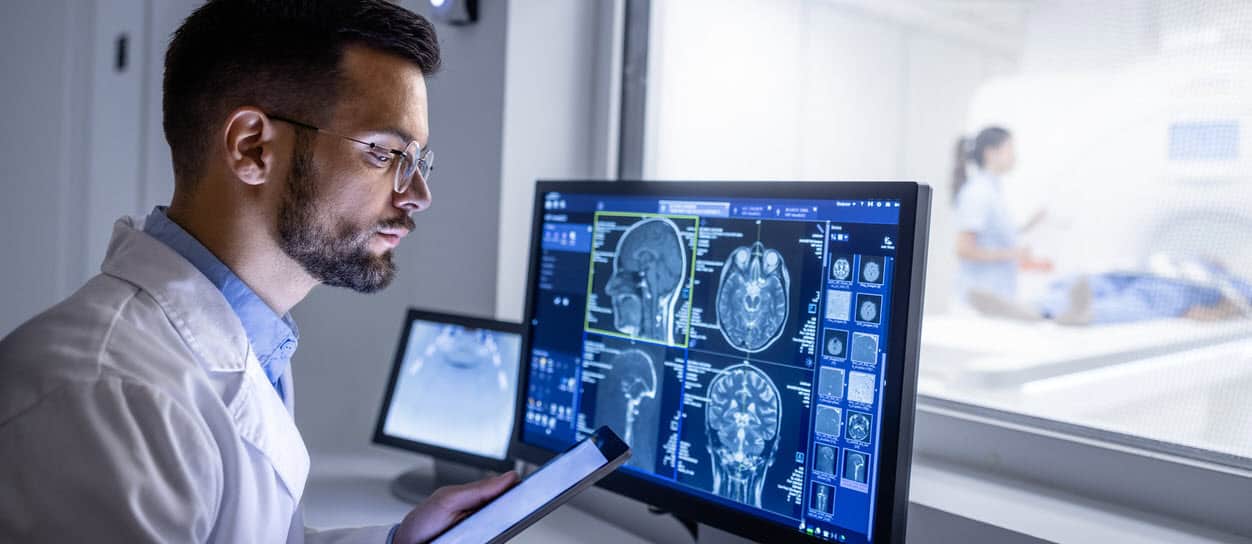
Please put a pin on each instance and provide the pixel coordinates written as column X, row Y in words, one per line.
column 463, row 497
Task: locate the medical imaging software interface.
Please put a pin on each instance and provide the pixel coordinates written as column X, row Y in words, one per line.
column 737, row 345
column 456, row 389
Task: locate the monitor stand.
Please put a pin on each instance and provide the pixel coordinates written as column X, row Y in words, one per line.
column 416, row 485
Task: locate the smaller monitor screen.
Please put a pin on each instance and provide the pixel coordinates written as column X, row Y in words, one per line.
column 455, row 388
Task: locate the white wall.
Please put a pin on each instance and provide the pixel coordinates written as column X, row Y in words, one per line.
column 815, row 90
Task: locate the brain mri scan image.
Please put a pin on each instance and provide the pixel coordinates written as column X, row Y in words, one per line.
column 838, row 305
column 855, row 466
column 823, row 498
column 829, row 420
column 649, row 268
column 752, row 297
column 825, row 462
column 830, row 383
column 868, row 308
column 743, row 420
column 623, row 384
column 631, row 382
column 861, row 387
column 864, row 348
column 841, row 267
column 835, row 343
column 858, row 426
column 872, row 269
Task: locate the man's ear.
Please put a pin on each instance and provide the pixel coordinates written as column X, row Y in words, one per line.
column 249, row 142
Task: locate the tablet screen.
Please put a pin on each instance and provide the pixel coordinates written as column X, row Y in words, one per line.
column 531, row 494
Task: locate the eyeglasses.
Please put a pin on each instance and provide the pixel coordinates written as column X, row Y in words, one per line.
column 412, row 159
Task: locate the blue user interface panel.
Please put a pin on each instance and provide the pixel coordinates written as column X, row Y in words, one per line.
column 737, row 345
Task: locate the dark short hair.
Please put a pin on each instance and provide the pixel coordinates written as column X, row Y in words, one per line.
column 278, row 55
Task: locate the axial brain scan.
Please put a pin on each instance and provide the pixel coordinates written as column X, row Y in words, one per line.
column 648, row 270
column 752, row 297
column 742, row 422
column 858, row 426
column 841, row 269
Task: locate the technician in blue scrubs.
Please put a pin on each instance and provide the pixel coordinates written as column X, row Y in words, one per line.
column 987, row 243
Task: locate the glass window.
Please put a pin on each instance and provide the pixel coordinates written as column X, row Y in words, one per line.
column 1091, row 251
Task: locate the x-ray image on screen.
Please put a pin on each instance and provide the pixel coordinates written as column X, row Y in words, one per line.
column 641, row 268
column 864, row 348
column 830, row 383
column 872, row 269
column 829, row 421
column 456, row 389
column 826, row 457
column 841, row 267
column 823, row 499
column 757, row 289
column 838, row 305
column 855, row 466
column 835, row 343
column 626, row 383
column 859, row 426
column 869, row 308
column 740, row 438
column 860, row 387
column 753, row 297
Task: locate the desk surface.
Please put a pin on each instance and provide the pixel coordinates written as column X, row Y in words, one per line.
column 351, row 490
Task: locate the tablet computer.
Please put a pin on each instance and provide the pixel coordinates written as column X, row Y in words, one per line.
column 543, row 491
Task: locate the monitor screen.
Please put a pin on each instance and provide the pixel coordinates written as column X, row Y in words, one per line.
column 737, row 342
column 453, row 387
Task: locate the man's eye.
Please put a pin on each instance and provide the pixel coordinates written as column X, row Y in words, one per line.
column 382, row 158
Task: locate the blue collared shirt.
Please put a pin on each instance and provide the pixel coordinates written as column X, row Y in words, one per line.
column 273, row 337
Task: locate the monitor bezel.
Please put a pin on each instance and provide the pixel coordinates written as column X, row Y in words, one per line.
column 899, row 404
column 440, row 452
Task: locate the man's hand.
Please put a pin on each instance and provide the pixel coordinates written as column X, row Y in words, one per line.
column 448, row 505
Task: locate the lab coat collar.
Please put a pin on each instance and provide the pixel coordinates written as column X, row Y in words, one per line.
column 212, row 331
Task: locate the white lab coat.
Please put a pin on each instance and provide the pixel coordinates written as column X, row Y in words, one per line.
column 136, row 411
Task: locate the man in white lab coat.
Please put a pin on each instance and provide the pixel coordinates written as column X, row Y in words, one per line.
column 154, row 404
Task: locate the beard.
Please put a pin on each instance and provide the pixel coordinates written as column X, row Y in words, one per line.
column 334, row 255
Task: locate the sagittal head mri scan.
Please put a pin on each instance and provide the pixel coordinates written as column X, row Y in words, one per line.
column 752, row 297
column 649, row 267
column 744, row 414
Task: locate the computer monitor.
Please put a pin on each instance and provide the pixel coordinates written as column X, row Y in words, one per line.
column 754, row 343
column 453, row 388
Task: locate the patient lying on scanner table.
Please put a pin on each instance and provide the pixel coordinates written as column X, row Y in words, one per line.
column 1168, row 287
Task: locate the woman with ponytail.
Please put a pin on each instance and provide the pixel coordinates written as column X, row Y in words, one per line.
column 987, row 244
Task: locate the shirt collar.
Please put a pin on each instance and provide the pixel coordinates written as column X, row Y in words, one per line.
column 273, row 337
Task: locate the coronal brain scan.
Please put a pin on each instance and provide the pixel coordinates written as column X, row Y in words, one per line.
column 823, row 498
column 858, row 426
column 867, row 308
column 871, row 269
column 855, row 466
column 864, row 348
column 752, row 297
column 744, row 413
column 649, row 267
column 861, row 387
column 829, row 420
column 825, row 462
column 841, row 267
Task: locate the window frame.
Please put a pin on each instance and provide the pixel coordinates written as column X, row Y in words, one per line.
column 1154, row 477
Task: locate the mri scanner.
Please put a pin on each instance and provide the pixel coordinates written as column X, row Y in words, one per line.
column 1151, row 160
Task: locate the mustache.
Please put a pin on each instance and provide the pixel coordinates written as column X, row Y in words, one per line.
column 404, row 221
